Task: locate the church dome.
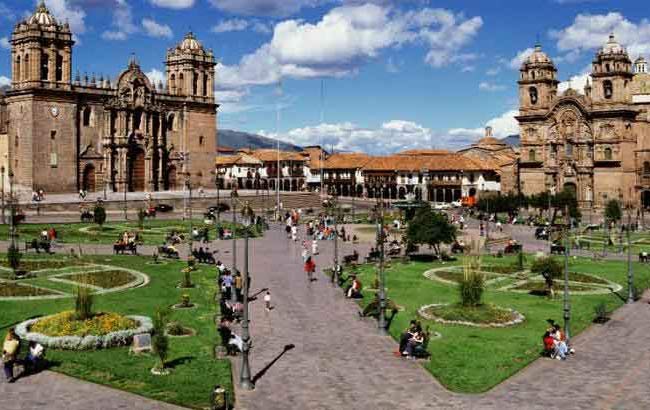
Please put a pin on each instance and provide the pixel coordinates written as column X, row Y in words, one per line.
column 42, row 16
column 612, row 46
column 190, row 43
column 538, row 57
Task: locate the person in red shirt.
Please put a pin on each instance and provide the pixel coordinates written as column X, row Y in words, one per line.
column 310, row 268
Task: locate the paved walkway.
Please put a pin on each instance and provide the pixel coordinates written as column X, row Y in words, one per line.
column 340, row 362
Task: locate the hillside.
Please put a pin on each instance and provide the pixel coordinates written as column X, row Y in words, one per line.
column 239, row 139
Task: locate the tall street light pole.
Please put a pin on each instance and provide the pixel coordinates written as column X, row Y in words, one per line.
column 567, row 306
column 381, row 324
column 2, row 171
column 630, row 273
column 245, row 380
column 233, row 206
column 188, row 186
column 125, row 206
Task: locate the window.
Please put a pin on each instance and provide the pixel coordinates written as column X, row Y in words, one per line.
column 531, row 155
column 53, row 135
column 533, row 74
column 205, row 84
column 172, row 83
column 608, row 154
column 201, row 140
column 195, row 83
column 170, row 122
column 646, row 168
column 59, row 67
column 569, row 149
column 608, row 89
column 86, row 117
column 26, row 69
column 532, row 91
column 181, row 78
column 607, row 68
column 54, row 159
column 17, row 74
column 45, row 67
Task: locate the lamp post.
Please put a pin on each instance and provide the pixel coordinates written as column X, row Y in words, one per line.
column 381, row 324
column 125, row 206
column 606, row 225
column 245, row 376
column 12, row 216
column 333, row 205
column 630, row 273
column 216, row 183
column 2, row 171
column 567, row 306
column 233, row 206
column 188, row 186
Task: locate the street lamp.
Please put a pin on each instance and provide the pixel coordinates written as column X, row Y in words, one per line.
column 2, row 171
column 233, row 206
column 333, row 206
column 245, row 376
column 125, row 206
column 216, row 183
column 381, row 238
column 567, row 306
column 188, row 186
column 630, row 273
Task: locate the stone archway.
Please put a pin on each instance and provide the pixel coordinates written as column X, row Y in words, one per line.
column 137, row 170
column 88, row 178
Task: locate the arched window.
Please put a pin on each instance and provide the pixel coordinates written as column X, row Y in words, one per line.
column 608, row 89
column 170, row 122
column 201, row 140
column 172, row 84
column 646, row 168
column 607, row 68
column 45, row 67
column 86, row 116
column 608, row 154
column 195, row 83
column 181, row 78
column 26, row 68
column 17, row 74
column 59, row 67
column 533, row 74
column 532, row 91
column 531, row 155
column 205, row 84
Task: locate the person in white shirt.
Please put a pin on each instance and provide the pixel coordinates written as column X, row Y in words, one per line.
column 267, row 301
column 314, row 247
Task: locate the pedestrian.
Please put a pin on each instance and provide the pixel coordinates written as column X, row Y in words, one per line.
column 267, row 301
column 310, row 268
column 314, row 247
column 10, row 349
column 294, row 233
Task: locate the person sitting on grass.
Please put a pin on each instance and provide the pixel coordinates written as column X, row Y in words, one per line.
column 354, row 291
column 559, row 341
column 414, row 342
column 408, row 334
column 34, row 357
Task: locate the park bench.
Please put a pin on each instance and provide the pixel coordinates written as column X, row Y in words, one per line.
column 168, row 252
column 87, row 216
column 558, row 249
column 512, row 248
column 38, row 245
column 120, row 248
column 349, row 259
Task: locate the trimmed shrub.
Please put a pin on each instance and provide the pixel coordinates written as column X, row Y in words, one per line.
column 83, row 309
column 472, row 285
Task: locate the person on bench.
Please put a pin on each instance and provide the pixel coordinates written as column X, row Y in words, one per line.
column 417, row 340
column 408, row 334
column 354, row 291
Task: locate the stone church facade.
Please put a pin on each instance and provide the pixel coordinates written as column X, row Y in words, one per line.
column 596, row 143
column 63, row 134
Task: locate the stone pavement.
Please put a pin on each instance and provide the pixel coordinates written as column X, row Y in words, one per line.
column 340, row 362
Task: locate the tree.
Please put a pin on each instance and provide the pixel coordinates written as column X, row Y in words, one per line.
column 160, row 341
column 430, row 228
column 550, row 269
column 99, row 216
column 613, row 211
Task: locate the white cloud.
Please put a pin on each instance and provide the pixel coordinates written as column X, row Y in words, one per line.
column 486, row 86
column 516, row 62
column 257, row 26
column 493, row 71
column 64, row 10
column 4, row 43
column 173, row 4
column 6, row 12
column 155, row 29
column 347, row 37
column 591, row 31
column 4, row 81
column 156, row 76
column 122, row 23
column 577, row 82
column 502, row 126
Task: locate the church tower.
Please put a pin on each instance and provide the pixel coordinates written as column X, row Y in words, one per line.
column 611, row 73
column 537, row 82
column 41, row 52
column 190, row 70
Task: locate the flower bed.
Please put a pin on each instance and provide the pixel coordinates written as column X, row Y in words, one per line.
column 104, row 279
column 123, row 337
column 65, row 324
column 457, row 275
column 539, row 286
column 42, row 264
column 586, row 278
column 485, row 315
column 11, row 289
column 503, row 269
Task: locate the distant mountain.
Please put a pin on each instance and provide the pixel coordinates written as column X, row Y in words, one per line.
column 238, row 139
column 512, row 140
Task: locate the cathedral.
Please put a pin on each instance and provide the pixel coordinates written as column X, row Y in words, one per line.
column 62, row 134
column 596, row 141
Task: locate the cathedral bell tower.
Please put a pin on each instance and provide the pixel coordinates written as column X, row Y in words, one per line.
column 611, row 73
column 190, row 70
column 537, row 82
column 41, row 52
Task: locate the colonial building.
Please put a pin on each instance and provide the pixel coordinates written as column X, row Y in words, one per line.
column 596, row 143
column 65, row 133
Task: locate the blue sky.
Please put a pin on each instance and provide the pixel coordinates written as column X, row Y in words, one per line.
column 396, row 74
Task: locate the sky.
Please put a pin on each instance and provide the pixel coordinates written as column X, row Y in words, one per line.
column 376, row 76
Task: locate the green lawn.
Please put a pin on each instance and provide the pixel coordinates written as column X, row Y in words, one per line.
column 195, row 372
column 473, row 360
column 154, row 231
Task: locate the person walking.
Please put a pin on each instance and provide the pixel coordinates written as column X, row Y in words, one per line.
column 310, row 268
column 10, row 349
column 267, row 301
